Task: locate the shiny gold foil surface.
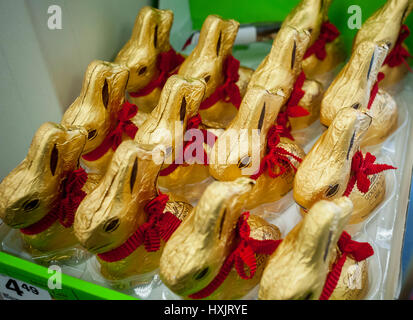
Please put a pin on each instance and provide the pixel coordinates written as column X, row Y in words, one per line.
column 196, row 251
column 115, row 209
column 97, row 106
column 309, row 15
column 299, row 266
column 311, row 101
column 384, row 25
column 353, row 282
column 352, row 86
column 280, row 68
column 206, row 62
column 150, row 37
column 242, row 146
column 365, row 203
column 29, row 192
column 323, row 70
column 384, row 115
column 166, row 125
column 325, row 171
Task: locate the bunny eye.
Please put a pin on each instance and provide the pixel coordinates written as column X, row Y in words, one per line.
column 111, row 225
column 244, row 162
column 91, row 134
column 200, row 275
column 332, row 190
column 142, row 70
column 31, row 205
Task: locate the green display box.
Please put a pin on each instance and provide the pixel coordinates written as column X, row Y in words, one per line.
column 71, row 287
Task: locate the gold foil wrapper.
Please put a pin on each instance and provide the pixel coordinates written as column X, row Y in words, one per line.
column 196, row 251
column 352, row 86
column 384, row 115
column 299, row 266
column 239, row 150
column 29, row 192
column 150, row 37
column 167, row 124
column 110, row 214
column 325, row 171
column 310, row 15
column 206, row 62
column 353, row 283
column 384, row 25
column 97, row 106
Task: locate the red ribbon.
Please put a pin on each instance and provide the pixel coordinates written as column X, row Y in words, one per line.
column 375, row 89
column 292, row 109
column 361, row 168
column 228, row 91
column 68, row 201
column 276, row 156
column 160, row 225
column 193, row 123
column 167, row 63
column 359, row 251
column 114, row 138
column 243, row 255
column 399, row 54
column 328, row 33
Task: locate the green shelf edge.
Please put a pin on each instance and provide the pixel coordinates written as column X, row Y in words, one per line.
column 72, row 288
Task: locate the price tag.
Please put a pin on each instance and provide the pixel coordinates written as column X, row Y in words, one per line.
column 13, row 289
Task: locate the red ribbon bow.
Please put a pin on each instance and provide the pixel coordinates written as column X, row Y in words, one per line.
column 375, row 89
column 359, row 251
column 209, row 138
column 399, row 54
column 114, row 138
column 276, row 156
column 361, row 168
column 68, row 201
column 167, row 63
column 228, row 91
column 243, row 255
column 160, row 225
column 328, row 33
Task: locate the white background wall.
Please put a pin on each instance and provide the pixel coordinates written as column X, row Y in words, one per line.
column 41, row 70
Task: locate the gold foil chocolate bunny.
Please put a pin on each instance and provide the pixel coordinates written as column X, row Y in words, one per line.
column 329, row 169
column 252, row 142
column 175, row 114
column 125, row 220
column 212, row 61
column 322, row 55
column 386, row 24
column 325, row 51
column 281, row 73
column 198, row 260
column 149, row 57
column 357, row 85
column 41, row 194
column 101, row 109
column 315, row 258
